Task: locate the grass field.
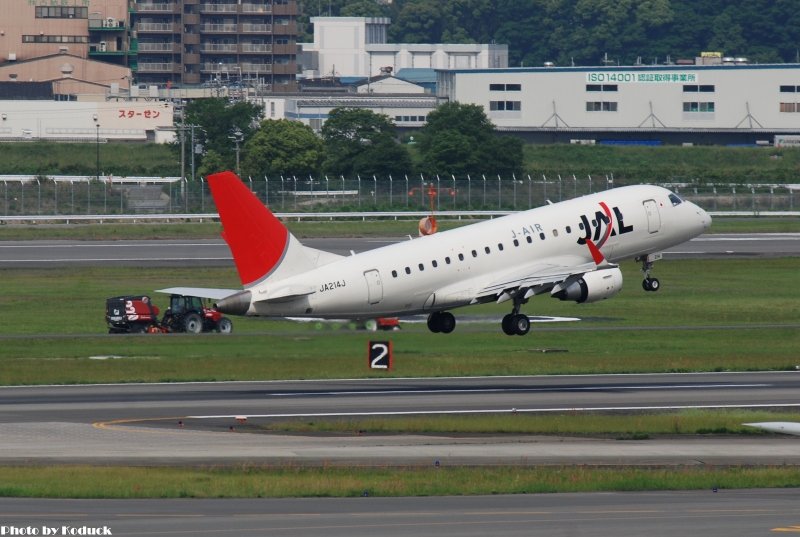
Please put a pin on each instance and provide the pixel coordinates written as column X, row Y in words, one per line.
column 276, row 482
column 711, row 315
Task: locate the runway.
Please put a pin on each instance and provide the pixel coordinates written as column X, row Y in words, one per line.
column 214, row 252
column 191, row 423
column 738, row 513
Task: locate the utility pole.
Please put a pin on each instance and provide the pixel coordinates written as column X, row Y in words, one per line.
column 237, row 136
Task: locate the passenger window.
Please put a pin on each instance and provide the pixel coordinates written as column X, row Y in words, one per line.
column 434, row 263
column 447, row 260
column 421, row 267
column 580, row 226
column 569, row 229
column 541, row 236
column 529, row 239
column 516, row 242
column 500, row 246
column 461, row 257
column 474, row 253
column 394, row 274
column 487, row 250
column 408, row 270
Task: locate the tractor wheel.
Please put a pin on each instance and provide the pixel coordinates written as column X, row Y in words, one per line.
column 225, row 326
column 193, row 324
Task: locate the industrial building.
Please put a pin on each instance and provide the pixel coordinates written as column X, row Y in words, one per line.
column 727, row 102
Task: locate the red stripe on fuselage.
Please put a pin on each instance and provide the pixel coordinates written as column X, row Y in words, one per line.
column 256, row 238
column 610, row 224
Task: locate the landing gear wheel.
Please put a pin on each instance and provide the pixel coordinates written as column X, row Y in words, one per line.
column 521, row 324
column 508, row 324
column 651, row 284
column 193, row 324
column 447, row 322
column 433, row 323
column 441, row 321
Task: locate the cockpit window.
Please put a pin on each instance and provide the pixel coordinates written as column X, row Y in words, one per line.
column 675, row 199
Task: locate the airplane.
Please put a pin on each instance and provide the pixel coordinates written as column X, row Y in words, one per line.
column 568, row 250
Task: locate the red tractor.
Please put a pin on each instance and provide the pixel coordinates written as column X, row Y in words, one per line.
column 137, row 314
column 190, row 314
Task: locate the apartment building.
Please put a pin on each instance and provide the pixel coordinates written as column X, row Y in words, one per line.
column 164, row 42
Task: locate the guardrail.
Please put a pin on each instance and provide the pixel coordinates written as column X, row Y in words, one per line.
column 363, row 216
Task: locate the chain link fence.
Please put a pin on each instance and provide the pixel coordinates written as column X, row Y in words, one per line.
column 48, row 196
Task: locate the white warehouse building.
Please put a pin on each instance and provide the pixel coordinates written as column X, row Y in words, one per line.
column 358, row 47
column 725, row 103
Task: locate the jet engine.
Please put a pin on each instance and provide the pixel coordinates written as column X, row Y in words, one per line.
column 590, row 287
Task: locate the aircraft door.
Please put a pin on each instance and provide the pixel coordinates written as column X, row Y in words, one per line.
column 374, row 286
column 653, row 216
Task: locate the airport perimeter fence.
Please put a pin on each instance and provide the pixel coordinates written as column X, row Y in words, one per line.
column 29, row 196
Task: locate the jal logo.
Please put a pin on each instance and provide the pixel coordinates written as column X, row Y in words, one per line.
column 602, row 225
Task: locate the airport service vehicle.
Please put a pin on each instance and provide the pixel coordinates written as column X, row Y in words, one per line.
column 567, row 250
column 131, row 314
column 138, row 314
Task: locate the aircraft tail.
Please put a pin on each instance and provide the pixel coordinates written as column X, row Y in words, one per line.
column 261, row 245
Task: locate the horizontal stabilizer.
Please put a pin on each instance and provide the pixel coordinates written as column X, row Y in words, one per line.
column 202, row 292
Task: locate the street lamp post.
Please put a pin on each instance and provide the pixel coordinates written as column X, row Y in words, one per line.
column 97, row 144
column 237, row 136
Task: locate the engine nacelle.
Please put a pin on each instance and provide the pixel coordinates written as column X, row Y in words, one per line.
column 591, row 287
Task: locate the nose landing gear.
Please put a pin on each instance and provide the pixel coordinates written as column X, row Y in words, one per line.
column 649, row 284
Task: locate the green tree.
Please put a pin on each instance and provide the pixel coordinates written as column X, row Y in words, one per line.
column 212, row 163
column 459, row 139
column 359, row 141
column 219, row 118
column 282, row 147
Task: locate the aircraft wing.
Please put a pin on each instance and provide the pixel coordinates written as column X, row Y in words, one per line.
column 542, row 273
column 202, row 292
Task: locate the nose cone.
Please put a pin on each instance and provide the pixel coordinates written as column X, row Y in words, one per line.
column 705, row 219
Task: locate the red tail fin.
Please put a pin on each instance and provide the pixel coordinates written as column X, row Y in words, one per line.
column 258, row 240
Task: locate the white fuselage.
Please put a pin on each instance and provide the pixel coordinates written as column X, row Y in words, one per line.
column 447, row 269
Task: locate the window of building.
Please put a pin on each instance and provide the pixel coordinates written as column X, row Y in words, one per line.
column 62, row 12
column 698, row 107
column 789, row 107
column 505, row 87
column 789, row 89
column 601, row 106
column 55, row 39
column 602, row 87
column 505, row 105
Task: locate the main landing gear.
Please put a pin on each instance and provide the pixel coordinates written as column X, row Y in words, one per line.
column 515, row 323
column 441, row 321
column 649, row 284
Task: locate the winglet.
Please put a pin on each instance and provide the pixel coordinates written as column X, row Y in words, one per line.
column 257, row 239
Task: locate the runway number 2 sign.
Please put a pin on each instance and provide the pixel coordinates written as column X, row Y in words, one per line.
column 379, row 355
